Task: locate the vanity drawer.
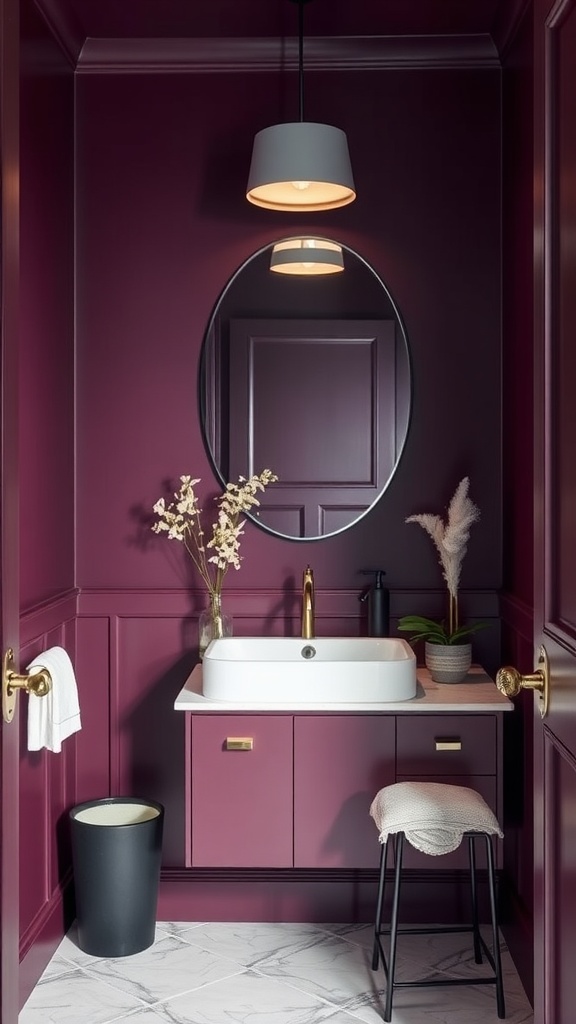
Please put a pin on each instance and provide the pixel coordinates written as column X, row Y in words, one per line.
column 441, row 745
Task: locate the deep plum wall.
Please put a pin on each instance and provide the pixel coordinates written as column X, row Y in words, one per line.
column 46, row 427
column 162, row 224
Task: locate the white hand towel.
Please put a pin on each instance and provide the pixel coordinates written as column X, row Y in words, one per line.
column 57, row 715
column 432, row 815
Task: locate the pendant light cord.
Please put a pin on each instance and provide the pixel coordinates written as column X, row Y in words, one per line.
column 301, row 55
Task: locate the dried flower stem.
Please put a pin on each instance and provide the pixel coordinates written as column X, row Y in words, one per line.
column 452, row 613
column 451, row 541
column 182, row 520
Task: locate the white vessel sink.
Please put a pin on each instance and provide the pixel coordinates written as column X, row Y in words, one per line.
column 328, row 670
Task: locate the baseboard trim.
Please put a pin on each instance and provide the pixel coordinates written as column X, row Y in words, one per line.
column 311, row 896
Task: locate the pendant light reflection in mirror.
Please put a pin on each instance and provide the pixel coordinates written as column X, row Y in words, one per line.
column 307, row 256
column 300, row 166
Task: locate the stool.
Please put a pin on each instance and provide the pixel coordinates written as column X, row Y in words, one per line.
column 434, row 818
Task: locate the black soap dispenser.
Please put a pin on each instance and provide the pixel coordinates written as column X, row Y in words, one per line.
column 378, row 598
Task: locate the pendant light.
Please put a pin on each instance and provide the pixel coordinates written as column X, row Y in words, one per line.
column 300, row 166
column 306, row 256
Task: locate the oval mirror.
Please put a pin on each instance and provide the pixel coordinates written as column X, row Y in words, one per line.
column 308, row 376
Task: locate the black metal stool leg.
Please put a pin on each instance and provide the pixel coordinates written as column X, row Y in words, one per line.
column 447, row 804
column 495, row 936
column 379, row 905
column 398, row 850
column 474, row 896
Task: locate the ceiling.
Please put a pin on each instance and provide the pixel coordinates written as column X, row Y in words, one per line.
column 187, row 18
column 78, row 21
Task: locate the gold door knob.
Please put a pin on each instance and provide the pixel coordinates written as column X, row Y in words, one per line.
column 510, row 681
column 39, row 683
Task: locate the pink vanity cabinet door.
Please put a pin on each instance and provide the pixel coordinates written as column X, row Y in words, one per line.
column 340, row 762
column 242, row 799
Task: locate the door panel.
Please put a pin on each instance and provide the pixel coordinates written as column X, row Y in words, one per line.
column 336, row 443
column 9, row 274
column 555, row 505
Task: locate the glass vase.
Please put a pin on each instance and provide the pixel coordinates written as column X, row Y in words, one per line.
column 212, row 624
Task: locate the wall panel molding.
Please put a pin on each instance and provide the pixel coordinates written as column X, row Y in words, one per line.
column 329, row 53
column 253, row 604
column 48, row 788
column 44, row 617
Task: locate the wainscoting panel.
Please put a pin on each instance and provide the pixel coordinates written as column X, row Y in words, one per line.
column 47, row 788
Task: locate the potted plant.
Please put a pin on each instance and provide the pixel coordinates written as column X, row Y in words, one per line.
column 448, row 651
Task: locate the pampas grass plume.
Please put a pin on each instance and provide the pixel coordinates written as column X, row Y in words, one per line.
column 451, row 537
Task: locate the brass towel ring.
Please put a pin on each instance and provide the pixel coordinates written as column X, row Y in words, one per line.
column 39, row 683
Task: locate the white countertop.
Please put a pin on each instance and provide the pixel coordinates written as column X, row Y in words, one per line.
column 477, row 693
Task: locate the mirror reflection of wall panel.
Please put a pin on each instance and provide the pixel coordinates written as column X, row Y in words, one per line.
column 314, row 400
column 277, row 422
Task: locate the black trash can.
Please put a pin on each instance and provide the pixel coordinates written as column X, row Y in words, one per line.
column 116, row 854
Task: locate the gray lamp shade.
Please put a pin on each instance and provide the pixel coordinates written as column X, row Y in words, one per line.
column 307, row 256
column 302, row 167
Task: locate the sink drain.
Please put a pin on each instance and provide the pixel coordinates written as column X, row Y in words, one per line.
column 308, row 652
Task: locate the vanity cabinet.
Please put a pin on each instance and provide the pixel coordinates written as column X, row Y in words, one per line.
column 285, row 790
column 277, row 800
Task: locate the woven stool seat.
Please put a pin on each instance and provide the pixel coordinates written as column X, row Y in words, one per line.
column 434, row 818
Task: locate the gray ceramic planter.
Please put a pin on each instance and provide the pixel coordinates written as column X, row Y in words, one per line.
column 448, row 664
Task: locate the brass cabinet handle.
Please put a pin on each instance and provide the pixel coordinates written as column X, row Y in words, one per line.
column 449, row 744
column 510, row 681
column 239, row 743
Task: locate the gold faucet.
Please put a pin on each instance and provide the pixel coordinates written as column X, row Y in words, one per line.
column 308, row 604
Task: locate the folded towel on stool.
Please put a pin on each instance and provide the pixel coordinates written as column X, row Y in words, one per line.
column 433, row 815
column 51, row 719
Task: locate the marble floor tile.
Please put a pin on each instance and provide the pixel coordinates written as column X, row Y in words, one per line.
column 73, row 997
column 246, row 998
column 331, row 965
column 250, row 944
column 168, row 968
column 212, row 972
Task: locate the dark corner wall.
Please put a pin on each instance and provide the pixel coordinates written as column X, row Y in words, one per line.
column 133, row 220
column 518, row 478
